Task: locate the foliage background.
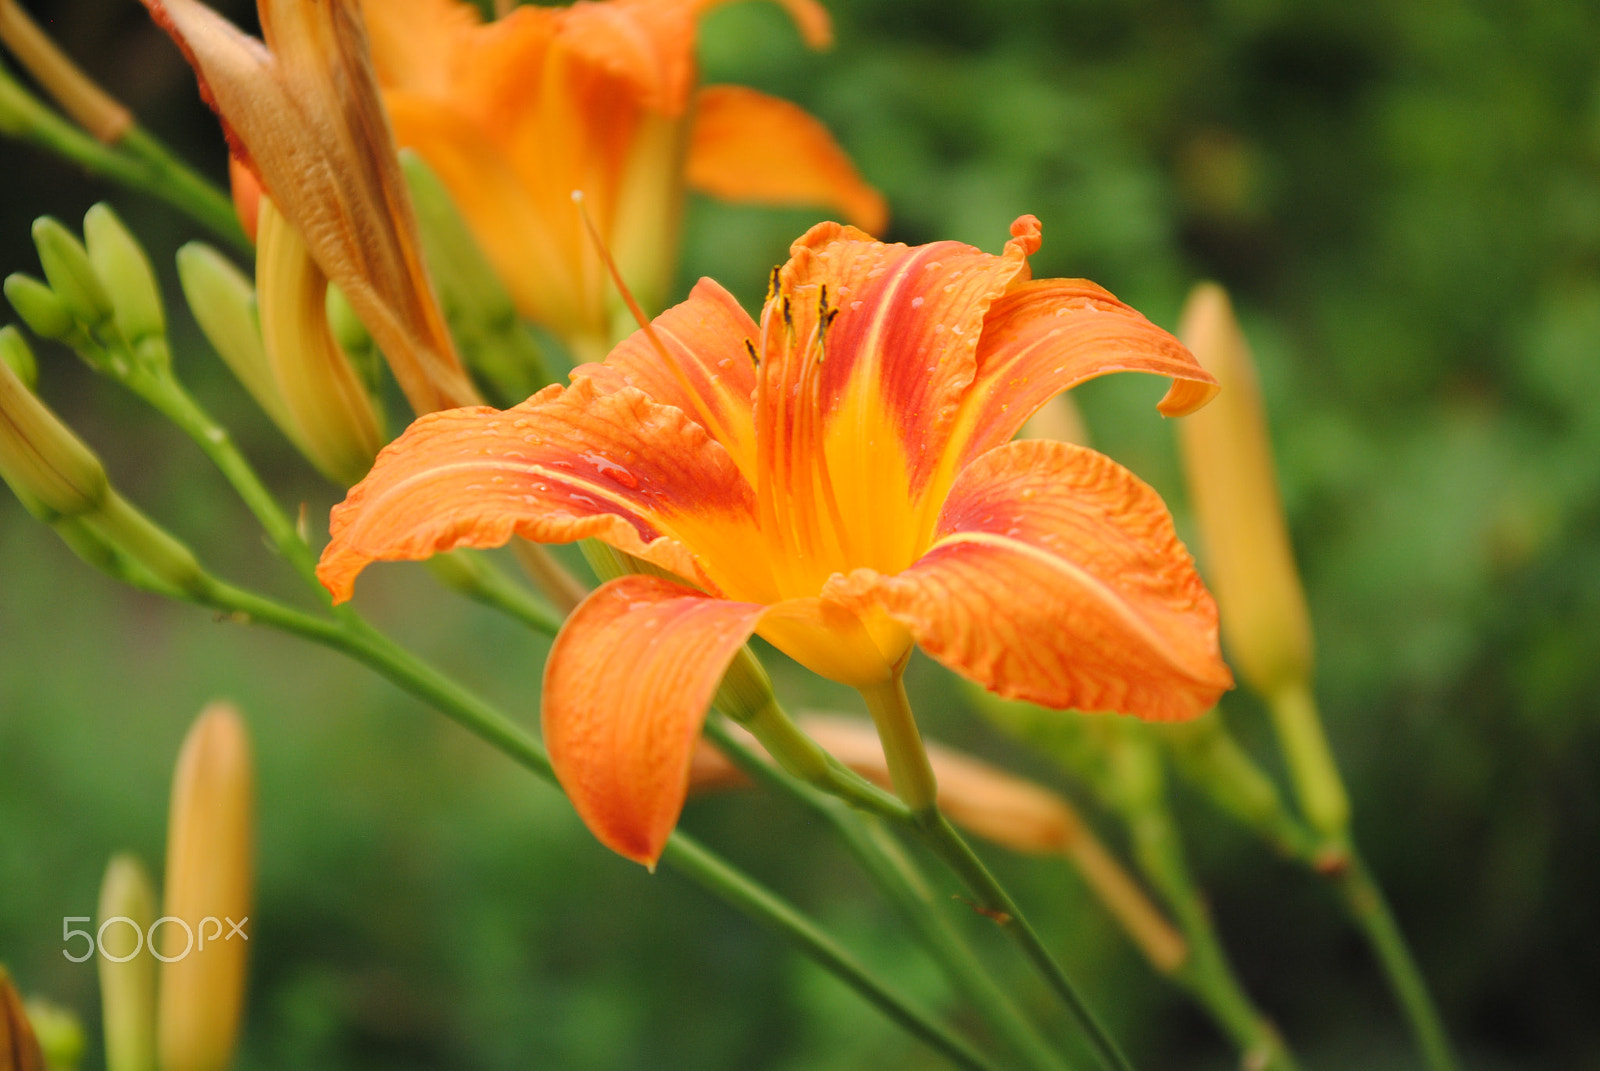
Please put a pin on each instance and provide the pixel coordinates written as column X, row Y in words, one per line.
column 1405, row 201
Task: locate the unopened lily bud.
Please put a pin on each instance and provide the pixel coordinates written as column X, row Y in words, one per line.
column 40, row 457
column 70, row 272
column 40, row 308
column 1228, row 459
column 146, row 544
column 97, row 112
column 223, row 301
column 336, row 422
column 18, row 356
column 128, row 974
column 19, row 1047
column 121, row 263
column 210, row 875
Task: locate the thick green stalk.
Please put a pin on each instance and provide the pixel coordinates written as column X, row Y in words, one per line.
column 908, row 891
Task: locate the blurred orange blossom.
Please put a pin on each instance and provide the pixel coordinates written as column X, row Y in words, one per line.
column 516, row 114
column 839, row 478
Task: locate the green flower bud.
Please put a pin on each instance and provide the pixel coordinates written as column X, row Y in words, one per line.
column 147, row 545
column 72, row 276
column 18, row 356
column 49, row 467
column 223, row 301
column 128, row 980
column 39, row 306
column 125, row 270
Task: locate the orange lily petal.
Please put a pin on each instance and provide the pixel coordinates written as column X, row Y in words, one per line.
column 532, row 253
column 1048, row 335
column 414, row 43
column 1057, row 578
column 884, row 367
column 705, row 371
column 650, row 43
column 626, row 689
column 747, row 146
column 305, row 116
column 564, row 465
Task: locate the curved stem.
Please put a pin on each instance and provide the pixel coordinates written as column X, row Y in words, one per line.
column 1366, row 904
column 907, row 890
column 1205, row 972
column 365, row 644
column 912, row 776
column 688, row 856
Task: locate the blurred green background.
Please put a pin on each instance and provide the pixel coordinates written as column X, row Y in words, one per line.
column 1404, row 199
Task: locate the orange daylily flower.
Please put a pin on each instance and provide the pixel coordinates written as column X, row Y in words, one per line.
column 838, row 478
column 516, row 114
column 302, row 116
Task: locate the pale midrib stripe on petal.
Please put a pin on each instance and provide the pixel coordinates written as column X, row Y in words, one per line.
column 1106, row 595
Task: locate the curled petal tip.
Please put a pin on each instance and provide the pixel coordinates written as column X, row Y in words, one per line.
column 1027, row 234
column 1187, row 396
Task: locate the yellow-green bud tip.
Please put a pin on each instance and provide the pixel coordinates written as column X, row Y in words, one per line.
column 128, row 980
column 39, row 306
column 18, row 356
column 72, row 276
column 123, row 268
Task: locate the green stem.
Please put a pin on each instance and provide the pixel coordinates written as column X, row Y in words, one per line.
column 689, row 857
column 909, row 770
column 1311, row 767
column 1366, row 904
column 1205, row 973
column 912, row 776
column 181, row 186
column 957, row 854
column 164, row 393
column 908, row 891
column 1220, row 766
column 146, row 167
column 370, row 647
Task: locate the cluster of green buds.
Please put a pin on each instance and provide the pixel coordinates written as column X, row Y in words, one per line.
column 101, row 299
